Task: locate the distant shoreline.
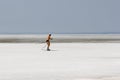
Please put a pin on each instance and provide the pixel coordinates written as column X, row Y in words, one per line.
column 60, row 38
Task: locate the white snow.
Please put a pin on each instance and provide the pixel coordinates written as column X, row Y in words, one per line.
column 65, row 61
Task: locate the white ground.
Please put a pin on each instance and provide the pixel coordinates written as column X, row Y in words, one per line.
column 65, row 61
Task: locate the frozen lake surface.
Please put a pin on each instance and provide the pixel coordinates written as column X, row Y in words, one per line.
column 65, row 61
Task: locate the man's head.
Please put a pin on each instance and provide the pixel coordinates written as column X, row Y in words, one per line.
column 49, row 34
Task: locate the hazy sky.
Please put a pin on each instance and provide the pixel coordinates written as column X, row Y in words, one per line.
column 59, row 16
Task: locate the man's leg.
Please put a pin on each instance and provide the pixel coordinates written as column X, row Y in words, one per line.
column 48, row 49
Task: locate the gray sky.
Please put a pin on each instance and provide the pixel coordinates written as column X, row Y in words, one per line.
column 59, row 16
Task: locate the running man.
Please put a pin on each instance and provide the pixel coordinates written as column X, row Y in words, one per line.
column 48, row 42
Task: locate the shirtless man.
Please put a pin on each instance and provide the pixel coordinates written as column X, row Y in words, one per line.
column 48, row 42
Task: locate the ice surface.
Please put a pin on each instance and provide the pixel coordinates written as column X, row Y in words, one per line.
column 65, row 61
